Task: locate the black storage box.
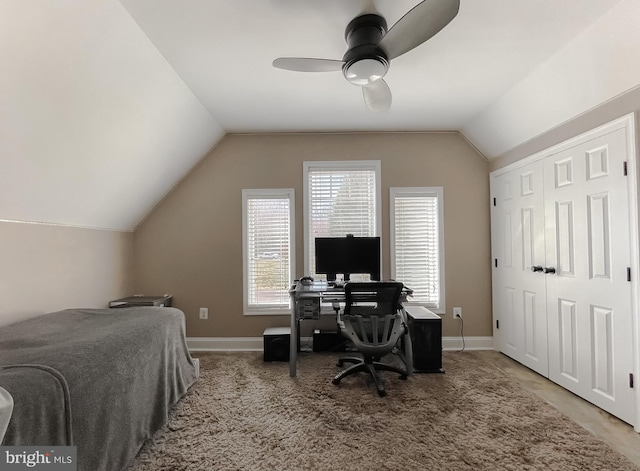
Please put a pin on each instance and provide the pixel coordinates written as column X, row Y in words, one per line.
column 276, row 343
column 328, row 341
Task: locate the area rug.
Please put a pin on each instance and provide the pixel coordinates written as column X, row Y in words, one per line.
column 245, row 414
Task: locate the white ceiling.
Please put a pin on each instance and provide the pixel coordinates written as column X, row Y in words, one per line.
column 223, row 50
column 105, row 105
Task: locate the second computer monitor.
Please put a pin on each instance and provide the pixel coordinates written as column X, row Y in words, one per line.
column 348, row 255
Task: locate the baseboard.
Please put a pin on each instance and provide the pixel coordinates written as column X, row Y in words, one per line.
column 470, row 343
column 255, row 344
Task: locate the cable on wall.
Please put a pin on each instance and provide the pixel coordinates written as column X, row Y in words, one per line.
column 462, row 334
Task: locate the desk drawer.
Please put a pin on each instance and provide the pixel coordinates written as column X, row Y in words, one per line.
column 308, row 308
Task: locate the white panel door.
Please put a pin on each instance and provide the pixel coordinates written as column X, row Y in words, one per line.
column 519, row 292
column 589, row 297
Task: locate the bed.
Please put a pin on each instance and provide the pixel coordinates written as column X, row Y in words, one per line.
column 103, row 380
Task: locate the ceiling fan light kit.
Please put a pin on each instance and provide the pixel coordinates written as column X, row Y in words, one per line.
column 372, row 47
column 365, row 62
column 365, row 71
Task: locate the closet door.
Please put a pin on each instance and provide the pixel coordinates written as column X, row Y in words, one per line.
column 588, row 296
column 518, row 246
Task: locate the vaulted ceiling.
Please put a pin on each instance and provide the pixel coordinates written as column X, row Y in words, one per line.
column 106, row 104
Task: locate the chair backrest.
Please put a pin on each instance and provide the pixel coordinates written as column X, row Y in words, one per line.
column 372, row 298
column 371, row 319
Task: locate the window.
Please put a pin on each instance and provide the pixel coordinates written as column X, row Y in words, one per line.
column 340, row 198
column 417, row 243
column 268, row 250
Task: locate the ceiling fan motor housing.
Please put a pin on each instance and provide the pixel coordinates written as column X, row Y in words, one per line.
column 365, row 62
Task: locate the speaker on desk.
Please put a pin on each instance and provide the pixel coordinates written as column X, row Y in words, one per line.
column 425, row 330
column 276, row 343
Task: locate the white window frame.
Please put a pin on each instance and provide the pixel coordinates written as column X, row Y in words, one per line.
column 438, row 307
column 308, row 167
column 281, row 193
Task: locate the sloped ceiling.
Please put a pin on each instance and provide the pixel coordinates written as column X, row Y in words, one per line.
column 105, row 105
column 95, row 125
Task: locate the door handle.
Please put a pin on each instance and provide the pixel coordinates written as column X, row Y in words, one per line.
column 549, row 270
column 536, row 268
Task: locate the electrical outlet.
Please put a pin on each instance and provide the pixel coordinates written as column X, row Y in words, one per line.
column 204, row 313
column 457, row 313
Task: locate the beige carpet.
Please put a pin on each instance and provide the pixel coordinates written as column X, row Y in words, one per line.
column 245, row 414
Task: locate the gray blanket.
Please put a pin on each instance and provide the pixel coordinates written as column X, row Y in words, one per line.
column 102, row 380
column 42, row 399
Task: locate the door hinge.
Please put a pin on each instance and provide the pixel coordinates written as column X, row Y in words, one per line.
column 631, row 380
column 624, row 166
column 628, row 273
column 497, row 323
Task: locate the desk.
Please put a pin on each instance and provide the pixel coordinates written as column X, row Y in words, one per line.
column 306, row 303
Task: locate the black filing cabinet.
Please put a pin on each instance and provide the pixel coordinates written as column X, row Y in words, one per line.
column 425, row 330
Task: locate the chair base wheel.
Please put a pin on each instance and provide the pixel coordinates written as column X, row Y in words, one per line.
column 368, row 366
column 353, row 360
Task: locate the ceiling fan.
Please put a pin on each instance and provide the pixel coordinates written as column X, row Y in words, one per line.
column 372, row 46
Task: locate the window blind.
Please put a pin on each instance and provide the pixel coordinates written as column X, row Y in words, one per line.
column 341, row 201
column 268, row 252
column 416, row 245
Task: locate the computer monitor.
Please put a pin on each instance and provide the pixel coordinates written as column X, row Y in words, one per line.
column 347, row 255
column 331, row 256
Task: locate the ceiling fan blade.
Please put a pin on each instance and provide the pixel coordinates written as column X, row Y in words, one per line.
column 418, row 25
column 305, row 64
column 377, row 96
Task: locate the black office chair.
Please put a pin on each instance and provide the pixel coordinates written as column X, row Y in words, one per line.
column 372, row 321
